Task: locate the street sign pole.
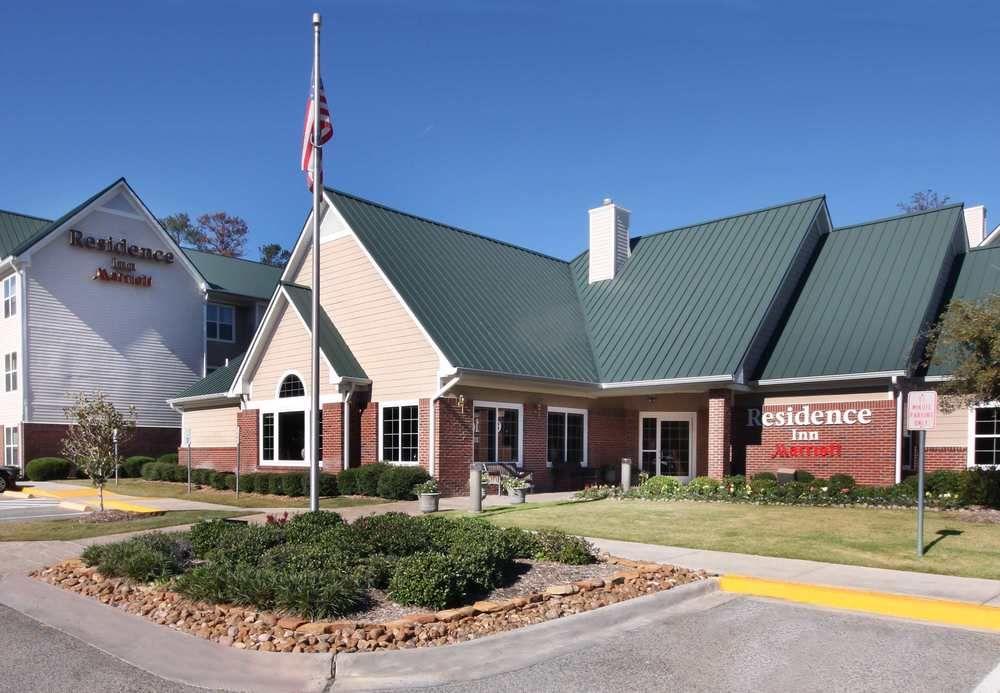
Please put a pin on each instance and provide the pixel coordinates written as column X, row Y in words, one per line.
column 920, row 493
column 921, row 416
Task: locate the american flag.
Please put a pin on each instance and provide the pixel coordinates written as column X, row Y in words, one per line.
column 325, row 132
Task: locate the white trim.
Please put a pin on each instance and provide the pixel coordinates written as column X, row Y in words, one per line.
column 238, row 380
column 23, row 310
column 276, row 462
column 586, row 432
column 831, row 378
column 398, row 404
column 898, row 396
column 281, row 380
column 520, row 427
column 181, row 403
column 121, row 213
column 938, row 378
column 692, row 418
column 667, row 381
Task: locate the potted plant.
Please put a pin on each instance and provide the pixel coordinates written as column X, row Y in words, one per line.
column 517, row 489
column 428, row 495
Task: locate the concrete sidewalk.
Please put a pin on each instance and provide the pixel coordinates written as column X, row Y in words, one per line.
column 972, row 590
column 73, row 495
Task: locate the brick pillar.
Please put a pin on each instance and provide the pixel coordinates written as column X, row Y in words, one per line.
column 248, row 422
column 333, row 436
column 454, row 446
column 720, row 404
column 424, row 432
column 536, row 447
column 369, row 433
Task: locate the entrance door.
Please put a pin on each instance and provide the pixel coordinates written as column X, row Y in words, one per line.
column 667, row 443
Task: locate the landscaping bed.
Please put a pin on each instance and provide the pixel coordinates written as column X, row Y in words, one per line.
column 314, row 583
column 251, row 629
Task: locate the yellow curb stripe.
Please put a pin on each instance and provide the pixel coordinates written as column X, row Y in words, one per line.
column 943, row 611
column 129, row 507
column 69, row 493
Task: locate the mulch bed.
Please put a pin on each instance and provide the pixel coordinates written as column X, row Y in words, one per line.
column 978, row 514
column 112, row 516
column 542, row 592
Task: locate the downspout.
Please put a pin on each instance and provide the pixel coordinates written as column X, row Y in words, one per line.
column 345, row 409
column 898, row 396
column 432, row 447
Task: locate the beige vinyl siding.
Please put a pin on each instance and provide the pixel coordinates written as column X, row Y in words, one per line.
column 386, row 341
column 952, row 430
column 212, row 428
column 287, row 351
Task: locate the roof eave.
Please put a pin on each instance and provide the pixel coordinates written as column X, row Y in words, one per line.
column 183, row 403
column 804, row 380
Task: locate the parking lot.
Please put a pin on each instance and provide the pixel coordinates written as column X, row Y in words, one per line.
column 13, row 509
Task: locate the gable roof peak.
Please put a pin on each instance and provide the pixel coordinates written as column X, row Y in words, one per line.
column 905, row 215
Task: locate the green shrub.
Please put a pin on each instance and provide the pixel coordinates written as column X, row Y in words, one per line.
column 275, row 485
column 792, row 490
column 396, row 483
column 169, row 458
column 803, row 476
column 944, row 481
column 131, row 467
column 328, row 485
column 981, row 487
column 308, row 527
column 347, row 481
column 303, row 557
column 178, row 472
column 759, row 484
column 144, row 558
column 150, row 471
column 219, row 480
column 368, row 476
column 431, row 580
column 660, row 487
column 234, row 542
column 295, row 484
column 231, row 482
column 389, row 534
column 484, row 565
column 47, row 468
column 735, row 483
column 564, row 548
column 762, row 476
column 703, row 487
column 374, row 571
column 262, row 483
column 839, row 483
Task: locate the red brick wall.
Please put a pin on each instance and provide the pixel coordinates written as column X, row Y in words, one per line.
column 424, row 432
column 219, row 459
column 719, row 430
column 248, row 422
column 454, row 446
column 612, row 434
column 868, row 451
column 333, row 437
column 945, row 458
column 369, row 432
column 45, row 440
column 536, row 451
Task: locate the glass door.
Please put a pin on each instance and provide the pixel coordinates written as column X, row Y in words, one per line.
column 667, row 443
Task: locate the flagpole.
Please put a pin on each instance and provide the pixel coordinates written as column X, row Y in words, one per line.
column 314, row 342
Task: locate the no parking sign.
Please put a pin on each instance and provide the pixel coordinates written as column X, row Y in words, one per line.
column 921, row 410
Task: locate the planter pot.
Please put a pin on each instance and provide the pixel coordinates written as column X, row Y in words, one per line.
column 429, row 502
column 517, row 495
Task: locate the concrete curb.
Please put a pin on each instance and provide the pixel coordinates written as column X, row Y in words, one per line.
column 506, row 652
column 163, row 652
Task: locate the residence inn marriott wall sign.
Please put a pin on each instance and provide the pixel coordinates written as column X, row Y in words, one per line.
column 123, row 269
column 807, row 428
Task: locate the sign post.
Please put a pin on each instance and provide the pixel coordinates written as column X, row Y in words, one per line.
column 921, row 416
column 187, row 444
column 114, row 439
column 237, row 465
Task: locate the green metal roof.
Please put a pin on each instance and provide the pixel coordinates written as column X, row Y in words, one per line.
column 16, row 228
column 234, row 275
column 866, row 300
column 690, row 301
column 488, row 305
column 978, row 276
column 331, row 343
column 217, row 382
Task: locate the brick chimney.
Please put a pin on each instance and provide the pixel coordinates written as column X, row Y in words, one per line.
column 609, row 241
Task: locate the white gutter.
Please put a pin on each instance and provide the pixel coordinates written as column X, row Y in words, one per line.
column 898, row 396
column 832, row 378
column 179, row 403
column 440, row 393
column 345, row 411
column 667, row 381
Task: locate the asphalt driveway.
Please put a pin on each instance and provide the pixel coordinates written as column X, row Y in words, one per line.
column 19, row 509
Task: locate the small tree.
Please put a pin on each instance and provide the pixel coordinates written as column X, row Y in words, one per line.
column 217, row 232
column 966, row 342
column 90, row 442
column 922, row 200
column 273, row 254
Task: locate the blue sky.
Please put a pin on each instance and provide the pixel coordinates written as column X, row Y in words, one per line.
column 505, row 118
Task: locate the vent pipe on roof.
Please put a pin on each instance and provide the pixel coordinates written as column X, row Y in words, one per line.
column 609, row 240
column 975, row 224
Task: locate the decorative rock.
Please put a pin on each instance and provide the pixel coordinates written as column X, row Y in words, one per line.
column 561, row 590
column 290, row 622
column 486, row 607
column 317, row 628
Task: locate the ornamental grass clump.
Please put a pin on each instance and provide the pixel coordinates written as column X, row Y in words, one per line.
column 144, row 558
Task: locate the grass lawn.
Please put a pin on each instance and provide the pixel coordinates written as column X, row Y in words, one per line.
column 68, row 529
column 855, row 536
column 169, row 489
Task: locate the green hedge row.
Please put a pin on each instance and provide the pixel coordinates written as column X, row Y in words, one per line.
column 943, row 489
column 49, row 468
column 292, row 484
column 382, row 480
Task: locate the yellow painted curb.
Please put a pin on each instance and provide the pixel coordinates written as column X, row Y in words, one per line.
column 129, row 507
column 943, row 611
column 18, row 494
column 69, row 493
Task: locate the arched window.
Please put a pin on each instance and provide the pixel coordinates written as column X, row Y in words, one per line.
column 291, row 386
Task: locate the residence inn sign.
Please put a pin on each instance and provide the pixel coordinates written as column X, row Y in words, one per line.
column 796, row 420
column 121, row 270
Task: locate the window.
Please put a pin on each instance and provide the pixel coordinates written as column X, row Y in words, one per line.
column 267, row 436
column 220, row 322
column 399, row 433
column 291, row 386
column 567, row 436
column 497, row 432
column 10, row 296
column 10, row 438
column 283, row 428
column 10, row 372
column 987, row 435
